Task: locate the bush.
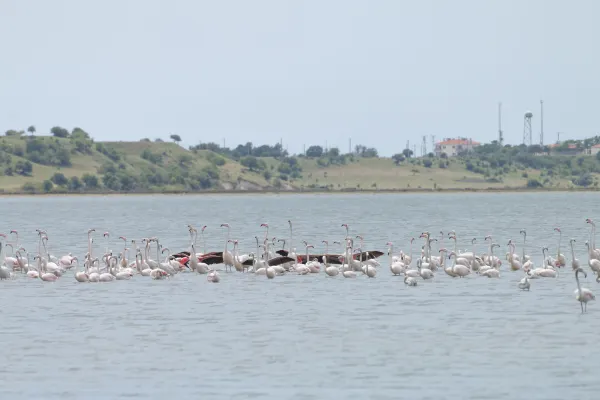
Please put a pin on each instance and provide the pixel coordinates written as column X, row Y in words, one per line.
column 24, row 168
column 47, row 186
column 533, row 183
column 59, row 179
column 90, row 181
column 28, row 187
column 427, row 163
column 57, row 131
column 215, row 159
column 75, row 183
column 584, row 180
column 152, row 157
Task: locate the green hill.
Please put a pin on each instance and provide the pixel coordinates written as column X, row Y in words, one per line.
column 76, row 164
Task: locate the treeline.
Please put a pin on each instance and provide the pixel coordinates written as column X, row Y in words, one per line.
column 565, row 161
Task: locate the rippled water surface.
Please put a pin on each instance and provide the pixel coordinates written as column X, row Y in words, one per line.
column 300, row 337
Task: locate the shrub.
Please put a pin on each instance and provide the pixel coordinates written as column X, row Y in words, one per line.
column 28, row 187
column 59, row 179
column 47, row 186
column 75, row 183
column 90, row 181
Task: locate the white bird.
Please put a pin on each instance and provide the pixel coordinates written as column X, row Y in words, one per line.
column 524, row 284
column 410, row 281
column 582, row 295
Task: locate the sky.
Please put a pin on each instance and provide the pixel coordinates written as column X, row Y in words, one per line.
column 380, row 72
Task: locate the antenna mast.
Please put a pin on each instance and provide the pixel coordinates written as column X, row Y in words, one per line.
column 542, row 123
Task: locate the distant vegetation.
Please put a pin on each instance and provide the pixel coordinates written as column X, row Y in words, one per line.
column 72, row 162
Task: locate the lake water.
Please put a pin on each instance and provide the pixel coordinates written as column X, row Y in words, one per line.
column 301, row 337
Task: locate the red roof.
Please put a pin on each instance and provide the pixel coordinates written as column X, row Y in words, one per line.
column 465, row 142
column 596, row 146
column 571, row 146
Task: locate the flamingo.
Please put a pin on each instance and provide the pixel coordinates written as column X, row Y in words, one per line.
column 574, row 261
column 227, row 256
column 329, row 270
column 582, row 295
column 396, row 267
column 45, row 276
column 213, row 276
column 515, row 265
column 459, row 270
column 594, row 250
column 560, row 258
column 348, row 272
column 524, row 283
column 410, row 281
column 492, row 272
column 82, row 276
column 593, row 262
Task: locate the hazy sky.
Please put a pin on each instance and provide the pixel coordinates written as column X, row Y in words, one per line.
column 380, row 72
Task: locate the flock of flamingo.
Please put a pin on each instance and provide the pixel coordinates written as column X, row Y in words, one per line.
column 268, row 261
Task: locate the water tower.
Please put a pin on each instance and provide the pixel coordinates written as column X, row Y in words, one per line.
column 527, row 128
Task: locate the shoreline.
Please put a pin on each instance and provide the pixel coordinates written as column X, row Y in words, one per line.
column 302, row 191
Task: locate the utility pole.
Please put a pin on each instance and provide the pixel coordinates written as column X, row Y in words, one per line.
column 424, row 146
column 414, row 150
column 349, row 145
column 433, row 143
column 542, row 123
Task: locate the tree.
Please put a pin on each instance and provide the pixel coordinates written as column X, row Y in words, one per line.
column 185, row 160
column 91, row 181
column 12, row 132
column 79, row 133
column 314, row 151
column 407, row 153
column 75, row 183
column 47, row 186
column 59, row 132
column 59, row 179
column 176, row 138
column 333, row 152
column 31, row 130
column 398, row 158
column 23, row 168
column 533, row 183
column 251, row 163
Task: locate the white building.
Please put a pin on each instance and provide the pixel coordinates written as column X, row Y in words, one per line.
column 453, row 147
column 595, row 149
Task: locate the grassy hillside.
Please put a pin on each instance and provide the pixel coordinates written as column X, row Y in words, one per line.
column 78, row 164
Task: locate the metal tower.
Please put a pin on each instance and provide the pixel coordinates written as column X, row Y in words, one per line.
column 542, row 123
column 527, row 128
column 433, row 143
column 500, row 136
